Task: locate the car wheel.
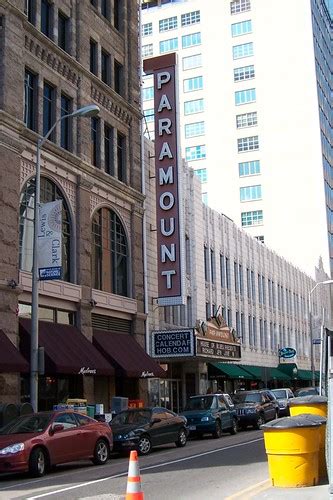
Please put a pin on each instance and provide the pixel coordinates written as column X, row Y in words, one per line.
column 218, row 430
column 37, row 462
column 101, row 452
column 260, row 421
column 182, row 438
column 144, row 445
column 234, row 428
column 276, row 414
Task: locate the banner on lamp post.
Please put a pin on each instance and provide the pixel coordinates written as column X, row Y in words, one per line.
column 50, row 241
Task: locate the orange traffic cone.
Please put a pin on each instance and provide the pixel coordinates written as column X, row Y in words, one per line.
column 133, row 491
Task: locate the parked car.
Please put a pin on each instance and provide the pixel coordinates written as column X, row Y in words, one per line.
column 307, row 391
column 283, row 397
column 211, row 413
column 37, row 441
column 254, row 407
column 144, row 428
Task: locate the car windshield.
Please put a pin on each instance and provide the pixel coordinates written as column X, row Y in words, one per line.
column 27, row 423
column 132, row 417
column 247, row 398
column 280, row 393
column 199, row 403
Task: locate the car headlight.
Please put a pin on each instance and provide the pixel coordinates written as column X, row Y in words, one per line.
column 204, row 419
column 13, row 448
column 129, row 435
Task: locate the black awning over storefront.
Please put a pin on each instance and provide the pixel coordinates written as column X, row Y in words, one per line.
column 124, row 352
column 11, row 360
column 67, row 350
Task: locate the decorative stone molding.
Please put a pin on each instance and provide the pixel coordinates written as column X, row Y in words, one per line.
column 27, row 169
column 107, row 103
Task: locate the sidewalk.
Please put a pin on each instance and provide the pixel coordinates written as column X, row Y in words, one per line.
column 319, row 492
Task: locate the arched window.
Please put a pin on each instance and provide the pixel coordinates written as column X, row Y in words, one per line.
column 48, row 192
column 109, row 253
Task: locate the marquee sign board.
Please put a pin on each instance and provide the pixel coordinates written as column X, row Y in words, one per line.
column 173, row 343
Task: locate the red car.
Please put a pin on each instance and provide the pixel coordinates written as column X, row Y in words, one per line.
column 37, row 441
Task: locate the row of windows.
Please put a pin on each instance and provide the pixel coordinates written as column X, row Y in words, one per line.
column 238, row 6
column 243, row 50
column 202, row 174
column 171, row 44
column 195, row 153
column 253, row 218
column 241, row 28
column 115, row 78
column 194, row 129
column 247, row 120
column 171, row 23
column 249, row 168
column 250, row 193
column 190, row 107
column 248, row 144
column 108, row 7
column 244, row 73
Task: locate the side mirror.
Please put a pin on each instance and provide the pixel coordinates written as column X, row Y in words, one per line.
column 155, row 421
column 56, row 428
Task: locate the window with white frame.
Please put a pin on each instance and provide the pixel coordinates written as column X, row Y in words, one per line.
column 190, row 18
column 248, row 143
column 149, row 115
column 244, row 73
column 195, row 83
column 147, row 93
column 250, row 193
column 243, row 50
column 249, row 168
column 147, row 50
column 195, row 153
column 192, row 107
column 191, row 40
column 245, row 96
column 254, row 218
column 194, row 129
column 191, row 62
column 238, row 6
column 247, row 120
column 202, row 174
column 168, row 45
column 147, row 29
column 241, row 28
column 168, row 24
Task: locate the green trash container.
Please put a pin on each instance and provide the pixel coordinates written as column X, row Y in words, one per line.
column 317, row 405
column 292, row 446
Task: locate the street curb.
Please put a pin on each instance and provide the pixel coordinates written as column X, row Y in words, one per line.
column 250, row 491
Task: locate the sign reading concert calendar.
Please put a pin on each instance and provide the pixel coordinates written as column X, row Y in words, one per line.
column 50, row 241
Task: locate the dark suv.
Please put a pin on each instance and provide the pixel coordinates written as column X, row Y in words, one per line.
column 254, row 407
column 211, row 413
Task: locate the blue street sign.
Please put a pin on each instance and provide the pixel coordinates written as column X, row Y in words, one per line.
column 316, row 341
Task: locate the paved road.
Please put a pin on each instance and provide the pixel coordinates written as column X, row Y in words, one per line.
column 208, row 468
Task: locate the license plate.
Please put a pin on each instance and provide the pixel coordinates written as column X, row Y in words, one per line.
column 192, row 427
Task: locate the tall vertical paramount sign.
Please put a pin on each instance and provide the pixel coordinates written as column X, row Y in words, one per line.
column 169, row 209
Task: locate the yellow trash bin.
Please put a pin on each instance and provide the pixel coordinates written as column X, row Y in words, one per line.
column 322, row 443
column 292, row 445
column 317, row 405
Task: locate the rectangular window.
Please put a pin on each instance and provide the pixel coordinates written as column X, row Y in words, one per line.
column 30, row 100
column 147, row 50
column 247, row 120
column 46, row 18
column 236, row 277
column 168, row 24
column 147, row 29
column 105, row 67
column 63, row 31
column 118, row 14
column 244, row 73
column 108, row 150
column 149, row 115
column 206, row 263
column 66, row 125
column 241, row 279
column 248, row 282
column 212, row 265
column 192, row 107
column 240, row 6
column 121, row 157
column 252, row 218
column 118, row 78
column 195, row 153
column 190, row 18
column 245, row 96
column 202, row 174
column 250, row 193
column 249, row 168
column 192, row 62
column 248, row 144
column 147, row 93
column 105, row 8
column 222, row 271
column 194, row 129
column 241, row 28
column 49, row 101
column 243, row 50
column 30, row 10
column 95, row 141
column 191, row 40
column 168, row 45
column 195, row 83
column 93, row 57
column 227, row 273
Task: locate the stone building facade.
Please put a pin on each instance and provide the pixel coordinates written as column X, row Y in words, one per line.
column 56, row 57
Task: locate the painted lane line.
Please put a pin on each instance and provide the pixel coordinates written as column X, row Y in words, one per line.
column 163, row 464
column 252, row 490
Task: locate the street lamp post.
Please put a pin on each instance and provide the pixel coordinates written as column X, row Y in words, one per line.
column 327, row 282
column 86, row 111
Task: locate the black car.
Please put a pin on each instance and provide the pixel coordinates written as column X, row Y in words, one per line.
column 142, row 428
column 254, row 407
column 211, row 413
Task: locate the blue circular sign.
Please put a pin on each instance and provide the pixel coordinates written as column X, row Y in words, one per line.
column 287, row 352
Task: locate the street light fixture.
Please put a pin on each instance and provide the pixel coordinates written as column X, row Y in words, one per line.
column 327, row 282
column 85, row 111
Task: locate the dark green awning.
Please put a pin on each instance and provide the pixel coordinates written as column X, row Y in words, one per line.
column 304, row 374
column 254, row 371
column 275, row 373
column 232, row 370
